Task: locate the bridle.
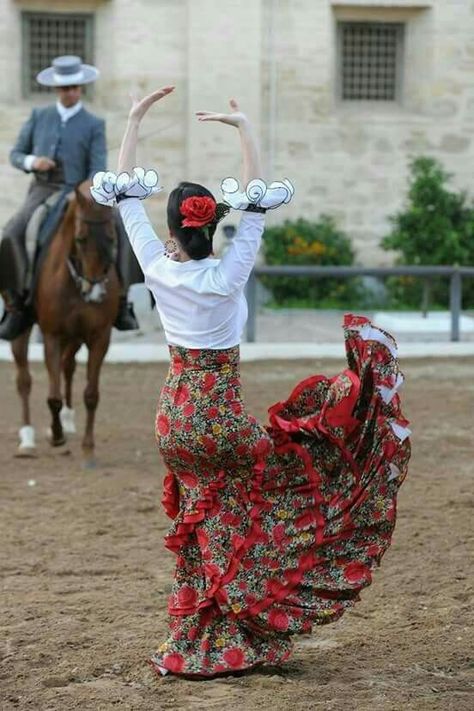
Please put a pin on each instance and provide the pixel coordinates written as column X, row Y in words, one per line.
column 91, row 290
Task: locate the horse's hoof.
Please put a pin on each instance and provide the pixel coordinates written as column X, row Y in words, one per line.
column 58, row 442
column 54, row 441
column 89, row 463
column 67, row 420
column 27, row 446
column 26, row 453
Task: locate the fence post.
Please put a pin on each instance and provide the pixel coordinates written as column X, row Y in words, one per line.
column 251, row 294
column 425, row 301
column 455, row 303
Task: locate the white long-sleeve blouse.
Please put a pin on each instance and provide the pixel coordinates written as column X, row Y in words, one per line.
column 201, row 303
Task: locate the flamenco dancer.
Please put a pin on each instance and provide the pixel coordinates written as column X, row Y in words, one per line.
column 277, row 528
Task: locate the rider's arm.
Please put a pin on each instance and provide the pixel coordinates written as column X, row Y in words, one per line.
column 20, row 155
column 97, row 158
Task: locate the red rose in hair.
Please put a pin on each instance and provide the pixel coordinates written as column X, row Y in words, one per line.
column 198, row 211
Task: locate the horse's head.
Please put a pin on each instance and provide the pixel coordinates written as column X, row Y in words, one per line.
column 95, row 244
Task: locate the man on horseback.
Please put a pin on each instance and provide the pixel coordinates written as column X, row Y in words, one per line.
column 61, row 145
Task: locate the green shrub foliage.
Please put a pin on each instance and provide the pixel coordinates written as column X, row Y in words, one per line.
column 302, row 242
column 435, row 227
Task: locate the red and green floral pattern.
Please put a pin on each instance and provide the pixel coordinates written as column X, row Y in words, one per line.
column 275, row 528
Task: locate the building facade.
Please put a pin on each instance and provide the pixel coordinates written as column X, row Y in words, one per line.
column 342, row 93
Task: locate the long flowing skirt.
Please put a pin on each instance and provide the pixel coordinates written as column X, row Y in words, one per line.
column 275, row 528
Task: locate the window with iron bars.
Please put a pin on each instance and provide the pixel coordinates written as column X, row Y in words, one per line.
column 48, row 35
column 370, row 61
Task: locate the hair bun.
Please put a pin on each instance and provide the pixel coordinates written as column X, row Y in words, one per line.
column 198, row 246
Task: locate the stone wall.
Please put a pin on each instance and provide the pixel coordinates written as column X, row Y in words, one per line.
column 279, row 58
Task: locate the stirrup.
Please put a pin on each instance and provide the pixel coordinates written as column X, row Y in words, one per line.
column 126, row 319
column 15, row 322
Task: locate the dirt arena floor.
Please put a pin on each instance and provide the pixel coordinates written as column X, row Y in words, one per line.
column 86, row 577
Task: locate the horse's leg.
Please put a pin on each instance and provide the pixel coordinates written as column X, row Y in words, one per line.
column 19, row 346
column 69, row 367
column 97, row 351
column 52, row 350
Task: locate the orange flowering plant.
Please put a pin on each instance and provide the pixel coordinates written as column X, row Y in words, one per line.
column 302, row 242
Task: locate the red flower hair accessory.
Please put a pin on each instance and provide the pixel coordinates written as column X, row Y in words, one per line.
column 198, row 211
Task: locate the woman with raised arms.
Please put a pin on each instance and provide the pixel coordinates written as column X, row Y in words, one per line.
column 276, row 528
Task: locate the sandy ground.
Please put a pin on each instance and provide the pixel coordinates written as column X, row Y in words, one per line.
column 86, row 576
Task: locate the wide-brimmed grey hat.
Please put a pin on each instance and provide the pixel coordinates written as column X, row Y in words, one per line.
column 67, row 70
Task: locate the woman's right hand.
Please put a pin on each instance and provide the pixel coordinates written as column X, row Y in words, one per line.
column 235, row 118
column 141, row 106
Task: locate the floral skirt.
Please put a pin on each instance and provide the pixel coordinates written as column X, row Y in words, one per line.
column 275, row 528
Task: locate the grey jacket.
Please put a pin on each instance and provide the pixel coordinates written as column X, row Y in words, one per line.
column 79, row 143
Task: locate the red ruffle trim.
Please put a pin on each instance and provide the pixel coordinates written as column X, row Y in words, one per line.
column 170, row 498
column 186, row 526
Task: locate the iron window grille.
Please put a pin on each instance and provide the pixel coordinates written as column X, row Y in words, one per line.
column 370, row 58
column 48, row 35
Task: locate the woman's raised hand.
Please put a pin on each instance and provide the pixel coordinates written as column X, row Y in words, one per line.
column 141, row 106
column 234, row 118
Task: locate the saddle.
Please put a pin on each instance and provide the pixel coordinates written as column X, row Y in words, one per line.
column 41, row 228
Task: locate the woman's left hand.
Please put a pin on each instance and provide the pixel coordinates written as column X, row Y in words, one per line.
column 141, row 106
column 234, row 118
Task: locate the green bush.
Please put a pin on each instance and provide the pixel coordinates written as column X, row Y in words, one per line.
column 310, row 243
column 435, row 227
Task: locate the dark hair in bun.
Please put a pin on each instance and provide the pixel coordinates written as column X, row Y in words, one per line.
column 196, row 241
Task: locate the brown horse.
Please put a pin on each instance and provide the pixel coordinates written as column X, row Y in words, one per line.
column 76, row 301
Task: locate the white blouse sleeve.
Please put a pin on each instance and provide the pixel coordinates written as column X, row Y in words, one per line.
column 145, row 242
column 237, row 263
